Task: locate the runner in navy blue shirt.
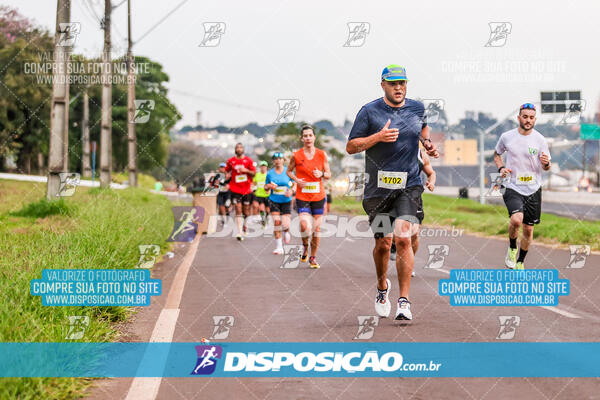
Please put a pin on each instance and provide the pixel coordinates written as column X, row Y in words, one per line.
column 389, row 130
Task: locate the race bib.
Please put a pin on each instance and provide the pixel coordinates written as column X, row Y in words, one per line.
column 241, row 178
column 280, row 190
column 525, row 178
column 391, row 179
column 260, row 184
column 312, row 187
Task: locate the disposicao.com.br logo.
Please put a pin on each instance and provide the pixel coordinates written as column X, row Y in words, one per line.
column 325, row 363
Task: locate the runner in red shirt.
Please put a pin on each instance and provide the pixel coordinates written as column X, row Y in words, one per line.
column 241, row 169
column 308, row 168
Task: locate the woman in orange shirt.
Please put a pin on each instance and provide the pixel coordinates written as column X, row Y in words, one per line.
column 308, row 167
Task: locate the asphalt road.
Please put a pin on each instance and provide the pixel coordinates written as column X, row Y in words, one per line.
column 271, row 304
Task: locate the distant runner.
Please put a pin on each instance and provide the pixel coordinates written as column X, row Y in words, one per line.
column 242, row 170
column 527, row 154
column 223, row 197
column 311, row 167
column 261, row 196
column 328, row 198
column 389, row 130
column 280, row 200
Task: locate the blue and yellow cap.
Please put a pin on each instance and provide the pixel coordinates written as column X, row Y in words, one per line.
column 277, row 154
column 393, row 72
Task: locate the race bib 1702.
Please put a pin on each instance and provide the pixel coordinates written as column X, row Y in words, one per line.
column 312, row 187
column 391, row 179
column 525, row 178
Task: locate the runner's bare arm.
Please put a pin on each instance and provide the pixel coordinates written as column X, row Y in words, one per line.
column 290, row 170
column 249, row 171
column 357, row 145
column 427, row 143
column 500, row 164
column 326, row 169
column 545, row 160
column 429, row 171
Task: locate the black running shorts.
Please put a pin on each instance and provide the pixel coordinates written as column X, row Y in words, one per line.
column 241, row 198
column 281, row 208
column 530, row 206
column 383, row 211
column 311, row 207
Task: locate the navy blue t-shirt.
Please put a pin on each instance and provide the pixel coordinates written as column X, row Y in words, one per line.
column 398, row 156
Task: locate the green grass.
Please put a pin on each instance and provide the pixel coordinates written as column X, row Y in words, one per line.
column 144, row 181
column 94, row 229
column 490, row 220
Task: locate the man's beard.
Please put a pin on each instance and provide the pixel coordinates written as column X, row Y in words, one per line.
column 525, row 128
column 239, row 153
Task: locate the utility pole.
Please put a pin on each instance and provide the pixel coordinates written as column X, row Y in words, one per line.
column 131, row 137
column 85, row 136
column 106, row 120
column 59, row 116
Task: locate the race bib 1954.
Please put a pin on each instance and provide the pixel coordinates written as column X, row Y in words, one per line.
column 525, row 178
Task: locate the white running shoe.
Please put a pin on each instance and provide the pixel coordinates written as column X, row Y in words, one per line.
column 511, row 258
column 278, row 251
column 403, row 311
column 393, row 255
column 287, row 238
column 412, row 273
column 382, row 302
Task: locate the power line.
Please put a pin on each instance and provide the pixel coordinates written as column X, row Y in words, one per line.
column 160, row 21
column 224, row 102
column 90, row 8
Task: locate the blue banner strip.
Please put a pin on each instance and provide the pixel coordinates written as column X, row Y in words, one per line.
column 220, row 359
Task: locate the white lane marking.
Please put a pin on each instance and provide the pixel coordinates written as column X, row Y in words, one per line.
column 561, row 312
column 441, row 270
column 144, row 388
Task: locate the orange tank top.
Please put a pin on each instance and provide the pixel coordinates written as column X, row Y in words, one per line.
column 313, row 190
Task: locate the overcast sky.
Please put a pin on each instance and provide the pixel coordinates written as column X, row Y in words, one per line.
column 295, row 50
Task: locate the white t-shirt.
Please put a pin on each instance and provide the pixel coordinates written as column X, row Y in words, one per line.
column 523, row 158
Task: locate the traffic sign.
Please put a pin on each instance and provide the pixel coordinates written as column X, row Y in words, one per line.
column 590, row 132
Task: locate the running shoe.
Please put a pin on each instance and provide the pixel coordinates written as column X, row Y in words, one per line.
column 304, row 257
column 278, row 251
column 393, row 256
column 239, row 237
column 519, row 265
column 313, row 262
column 403, row 311
column 412, row 273
column 511, row 258
column 382, row 301
column 287, row 238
